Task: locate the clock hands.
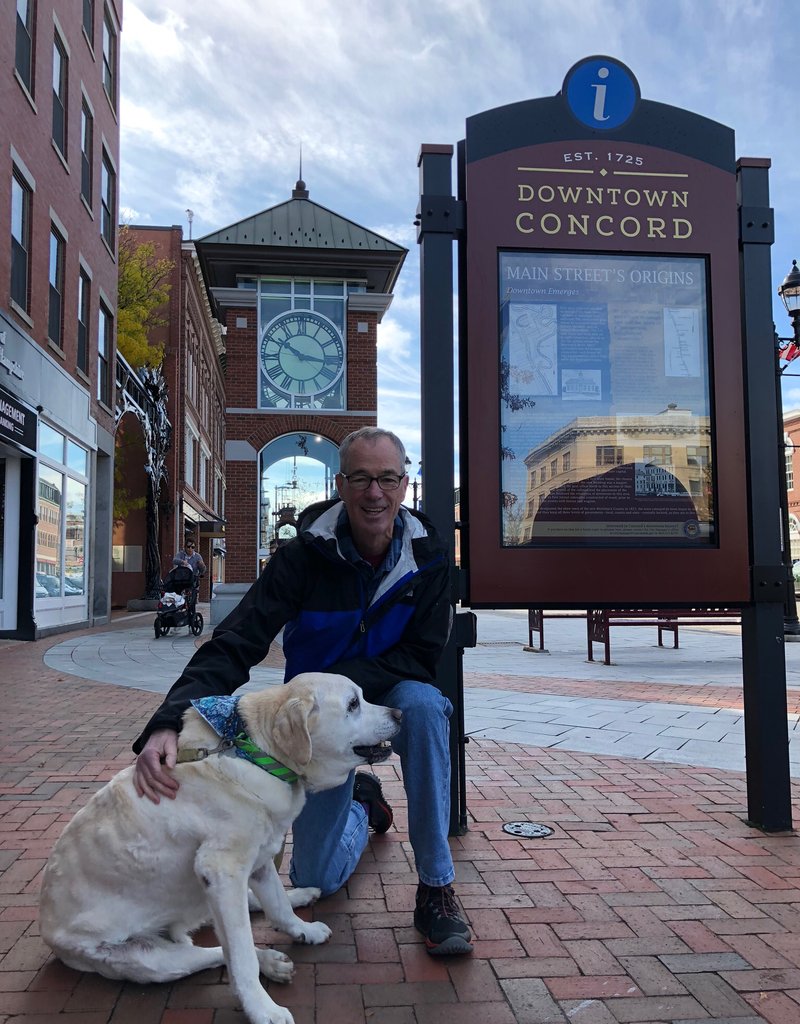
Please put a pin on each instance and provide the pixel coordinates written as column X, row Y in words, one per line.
column 302, row 356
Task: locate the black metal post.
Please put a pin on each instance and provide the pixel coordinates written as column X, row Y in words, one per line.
column 439, row 218
column 763, row 656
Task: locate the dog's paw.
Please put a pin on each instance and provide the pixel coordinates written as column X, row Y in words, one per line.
column 275, row 966
column 303, row 897
column 280, row 1015
column 275, row 1015
column 313, row 933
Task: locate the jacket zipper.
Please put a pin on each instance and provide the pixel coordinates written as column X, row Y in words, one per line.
column 383, row 608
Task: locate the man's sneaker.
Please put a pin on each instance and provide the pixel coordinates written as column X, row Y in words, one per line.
column 367, row 791
column 438, row 917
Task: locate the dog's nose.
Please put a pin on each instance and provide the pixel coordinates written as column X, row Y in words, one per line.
column 396, row 714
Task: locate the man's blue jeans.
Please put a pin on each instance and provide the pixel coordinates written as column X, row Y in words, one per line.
column 332, row 830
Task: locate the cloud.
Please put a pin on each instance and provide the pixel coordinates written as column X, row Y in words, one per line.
column 217, row 100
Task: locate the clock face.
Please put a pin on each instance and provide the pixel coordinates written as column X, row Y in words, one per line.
column 302, row 353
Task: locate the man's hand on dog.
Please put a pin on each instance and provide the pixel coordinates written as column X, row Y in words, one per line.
column 152, row 775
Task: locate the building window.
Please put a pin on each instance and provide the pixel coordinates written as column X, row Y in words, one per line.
column 60, row 65
column 84, row 299
column 189, row 459
column 56, row 300
column 61, row 512
column 23, row 60
column 202, row 483
column 542, row 474
column 21, row 196
column 566, row 461
column 88, row 20
column 608, row 455
column 554, row 468
column 87, row 138
column 104, row 350
column 696, row 455
column 108, row 185
column 657, row 454
column 789, row 463
column 110, row 58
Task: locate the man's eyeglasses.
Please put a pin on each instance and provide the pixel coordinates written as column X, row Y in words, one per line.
column 361, row 481
column 187, row 546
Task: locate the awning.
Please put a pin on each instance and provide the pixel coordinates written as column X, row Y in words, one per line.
column 210, row 527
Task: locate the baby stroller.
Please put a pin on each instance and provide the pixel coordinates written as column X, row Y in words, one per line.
column 178, row 603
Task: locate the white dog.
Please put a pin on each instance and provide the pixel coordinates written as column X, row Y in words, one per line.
column 129, row 880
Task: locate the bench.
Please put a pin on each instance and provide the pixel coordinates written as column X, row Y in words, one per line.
column 536, row 618
column 600, row 620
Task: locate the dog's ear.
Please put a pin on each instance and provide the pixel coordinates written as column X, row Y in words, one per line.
column 290, row 729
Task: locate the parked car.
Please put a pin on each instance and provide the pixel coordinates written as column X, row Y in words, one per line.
column 52, row 584
column 74, row 581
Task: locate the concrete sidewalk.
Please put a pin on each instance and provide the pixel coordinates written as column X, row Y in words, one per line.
column 684, row 705
column 650, row 902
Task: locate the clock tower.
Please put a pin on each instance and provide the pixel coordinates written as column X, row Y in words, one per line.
column 301, row 291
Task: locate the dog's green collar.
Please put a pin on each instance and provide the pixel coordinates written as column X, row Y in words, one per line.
column 246, row 749
column 222, row 714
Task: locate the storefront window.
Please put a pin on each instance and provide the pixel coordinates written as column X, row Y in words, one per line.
column 61, row 510
column 48, row 532
column 74, row 545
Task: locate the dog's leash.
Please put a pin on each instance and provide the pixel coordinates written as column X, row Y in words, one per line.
column 249, row 752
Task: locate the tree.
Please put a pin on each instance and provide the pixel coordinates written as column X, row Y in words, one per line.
column 143, row 290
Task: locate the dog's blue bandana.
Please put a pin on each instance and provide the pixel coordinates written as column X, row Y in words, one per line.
column 222, row 714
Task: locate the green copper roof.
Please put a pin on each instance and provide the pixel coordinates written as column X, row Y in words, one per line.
column 303, row 224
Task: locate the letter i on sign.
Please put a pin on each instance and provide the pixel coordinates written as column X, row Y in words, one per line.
column 600, row 97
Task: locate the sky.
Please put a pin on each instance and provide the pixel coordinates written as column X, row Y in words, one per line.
column 219, row 98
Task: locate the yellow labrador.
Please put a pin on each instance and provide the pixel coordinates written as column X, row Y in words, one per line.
column 129, row 880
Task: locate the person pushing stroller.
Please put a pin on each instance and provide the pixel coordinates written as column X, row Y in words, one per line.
column 178, row 604
column 189, row 555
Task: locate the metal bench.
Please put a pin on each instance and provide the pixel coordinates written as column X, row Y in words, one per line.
column 536, row 617
column 600, row 620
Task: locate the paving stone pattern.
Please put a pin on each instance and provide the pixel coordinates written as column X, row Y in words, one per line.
column 652, row 902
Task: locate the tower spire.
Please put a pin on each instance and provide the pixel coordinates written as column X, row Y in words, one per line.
column 300, row 191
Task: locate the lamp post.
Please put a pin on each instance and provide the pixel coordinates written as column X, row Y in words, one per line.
column 789, row 292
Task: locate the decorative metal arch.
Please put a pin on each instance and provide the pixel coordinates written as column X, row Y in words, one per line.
column 144, row 392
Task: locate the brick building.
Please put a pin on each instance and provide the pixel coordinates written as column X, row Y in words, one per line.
column 59, row 159
column 791, row 439
column 193, row 497
column 301, row 291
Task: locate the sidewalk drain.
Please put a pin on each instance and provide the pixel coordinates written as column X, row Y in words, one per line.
column 527, row 829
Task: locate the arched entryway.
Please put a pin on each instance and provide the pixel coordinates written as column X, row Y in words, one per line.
column 295, row 470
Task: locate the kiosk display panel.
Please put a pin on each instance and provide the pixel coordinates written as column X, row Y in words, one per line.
column 605, row 401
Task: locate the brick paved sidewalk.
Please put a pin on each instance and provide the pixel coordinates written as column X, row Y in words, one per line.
column 652, row 902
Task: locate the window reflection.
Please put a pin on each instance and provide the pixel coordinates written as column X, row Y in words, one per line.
column 74, row 546
column 48, row 533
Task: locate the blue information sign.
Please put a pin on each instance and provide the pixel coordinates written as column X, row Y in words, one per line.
column 601, row 92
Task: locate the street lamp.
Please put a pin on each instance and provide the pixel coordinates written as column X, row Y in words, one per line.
column 788, row 349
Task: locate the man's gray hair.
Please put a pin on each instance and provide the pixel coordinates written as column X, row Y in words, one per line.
column 371, row 434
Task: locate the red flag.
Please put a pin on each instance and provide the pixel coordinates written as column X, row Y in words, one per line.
column 788, row 351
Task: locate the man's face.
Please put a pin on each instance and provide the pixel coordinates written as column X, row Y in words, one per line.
column 371, row 512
